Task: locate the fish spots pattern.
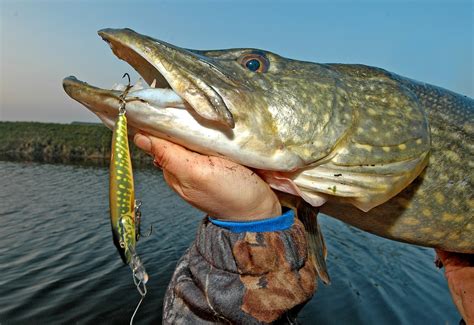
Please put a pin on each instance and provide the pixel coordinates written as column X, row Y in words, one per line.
column 122, row 190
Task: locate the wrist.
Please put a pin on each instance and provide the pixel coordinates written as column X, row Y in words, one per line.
column 259, row 213
column 268, row 208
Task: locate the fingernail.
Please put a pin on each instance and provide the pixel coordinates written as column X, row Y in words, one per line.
column 143, row 142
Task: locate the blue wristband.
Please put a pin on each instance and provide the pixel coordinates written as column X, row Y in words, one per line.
column 279, row 223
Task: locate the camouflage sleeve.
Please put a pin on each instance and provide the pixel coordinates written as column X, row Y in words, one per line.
column 243, row 278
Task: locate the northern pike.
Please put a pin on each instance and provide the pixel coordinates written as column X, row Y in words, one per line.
column 382, row 152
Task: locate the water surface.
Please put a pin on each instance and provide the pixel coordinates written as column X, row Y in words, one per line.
column 58, row 263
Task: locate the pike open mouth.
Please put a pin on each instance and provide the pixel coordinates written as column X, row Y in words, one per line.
column 191, row 98
column 170, row 74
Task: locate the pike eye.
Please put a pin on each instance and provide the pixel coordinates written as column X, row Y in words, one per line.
column 255, row 62
column 253, row 65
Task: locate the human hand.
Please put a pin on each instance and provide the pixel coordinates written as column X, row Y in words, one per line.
column 459, row 272
column 219, row 187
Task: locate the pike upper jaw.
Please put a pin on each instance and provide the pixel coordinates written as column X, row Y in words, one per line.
column 163, row 65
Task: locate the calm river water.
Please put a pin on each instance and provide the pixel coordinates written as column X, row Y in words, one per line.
column 58, row 264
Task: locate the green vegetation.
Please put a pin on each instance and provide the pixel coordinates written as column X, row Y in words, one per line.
column 63, row 143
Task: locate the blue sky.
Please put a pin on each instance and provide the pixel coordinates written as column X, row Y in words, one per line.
column 41, row 42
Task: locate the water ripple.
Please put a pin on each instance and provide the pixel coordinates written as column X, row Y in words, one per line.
column 59, row 265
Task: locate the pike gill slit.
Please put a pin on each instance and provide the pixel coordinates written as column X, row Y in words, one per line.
column 125, row 213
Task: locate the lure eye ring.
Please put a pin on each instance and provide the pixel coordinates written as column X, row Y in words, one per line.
column 255, row 62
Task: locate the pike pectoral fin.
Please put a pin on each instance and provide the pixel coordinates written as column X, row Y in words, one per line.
column 308, row 214
column 316, row 246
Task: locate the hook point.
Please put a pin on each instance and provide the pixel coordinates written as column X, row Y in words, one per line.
column 128, row 76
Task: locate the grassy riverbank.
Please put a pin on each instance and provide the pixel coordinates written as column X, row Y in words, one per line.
column 59, row 143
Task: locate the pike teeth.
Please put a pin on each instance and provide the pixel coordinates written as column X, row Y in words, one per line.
column 138, row 85
column 153, row 84
column 159, row 97
column 119, row 87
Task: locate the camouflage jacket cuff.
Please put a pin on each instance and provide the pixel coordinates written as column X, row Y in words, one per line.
column 279, row 223
column 245, row 278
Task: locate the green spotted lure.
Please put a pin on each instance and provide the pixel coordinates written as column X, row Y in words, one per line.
column 124, row 209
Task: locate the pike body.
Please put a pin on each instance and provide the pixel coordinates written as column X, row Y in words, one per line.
column 379, row 151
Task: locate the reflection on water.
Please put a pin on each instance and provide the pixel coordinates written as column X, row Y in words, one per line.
column 58, row 263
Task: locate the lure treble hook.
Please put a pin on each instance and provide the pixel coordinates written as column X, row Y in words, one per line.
column 138, row 219
column 128, row 76
column 122, row 99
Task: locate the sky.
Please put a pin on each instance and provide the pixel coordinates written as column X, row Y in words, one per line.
column 41, row 42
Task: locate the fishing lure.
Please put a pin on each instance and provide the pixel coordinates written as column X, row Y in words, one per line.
column 125, row 215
